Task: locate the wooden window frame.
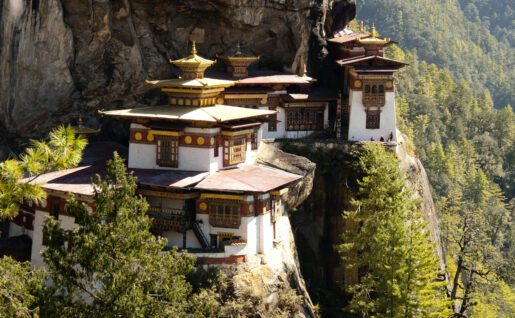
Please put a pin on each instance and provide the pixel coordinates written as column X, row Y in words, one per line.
column 304, row 119
column 373, row 120
column 272, row 120
column 225, row 214
column 374, row 94
column 254, row 141
column 167, row 155
column 235, row 151
column 55, row 207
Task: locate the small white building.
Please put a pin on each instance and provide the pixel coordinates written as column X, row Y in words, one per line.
column 368, row 110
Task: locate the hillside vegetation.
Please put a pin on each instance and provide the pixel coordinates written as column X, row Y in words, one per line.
column 468, row 149
column 440, row 32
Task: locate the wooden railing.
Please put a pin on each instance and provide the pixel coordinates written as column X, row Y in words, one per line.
column 166, row 219
column 373, row 100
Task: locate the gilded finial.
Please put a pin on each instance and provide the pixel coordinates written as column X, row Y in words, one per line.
column 374, row 31
column 238, row 48
column 304, row 70
column 193, row 48
column 362, row 26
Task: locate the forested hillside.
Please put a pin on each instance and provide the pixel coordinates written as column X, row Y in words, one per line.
column 441, row 33
column 468, row 149
column 498, row 15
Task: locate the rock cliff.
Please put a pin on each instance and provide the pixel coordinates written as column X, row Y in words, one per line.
column 318, row 224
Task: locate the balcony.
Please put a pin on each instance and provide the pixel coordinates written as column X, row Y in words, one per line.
column 166, row 219
column 373, row 100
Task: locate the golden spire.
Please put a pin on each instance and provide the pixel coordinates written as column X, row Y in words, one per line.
column 193, row 66
column 374, row 33
column 193, row 48
column 304, row 70
column 374, row 38
column 238, row 48
column 362, row 26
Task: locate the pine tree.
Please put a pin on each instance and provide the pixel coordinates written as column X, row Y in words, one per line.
column 111, row 265
column 62, row 150
column 19, row 286
column 388, row 244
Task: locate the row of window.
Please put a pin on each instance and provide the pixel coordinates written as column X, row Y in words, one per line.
column 302, row 118
column 234, row 150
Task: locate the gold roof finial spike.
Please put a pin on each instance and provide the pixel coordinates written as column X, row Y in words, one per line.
column 374, row 31
column 362, row 26
column 238, row 48
column 193, row 48
column 304, row 69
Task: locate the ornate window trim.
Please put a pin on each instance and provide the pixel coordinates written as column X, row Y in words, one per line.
column 304, row 118
column 167, row 151
column 235, row 151
column 225, row 214
column 373, row 120
column 374, row 93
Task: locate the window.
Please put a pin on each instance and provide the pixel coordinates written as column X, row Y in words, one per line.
column 217, row 145
column 55, row 207
column 167, row 151
column 373, row 119
column 374, row 94
column 254, row 141
column 301, row 118
column 235, row 151
column 272, row 120
column 224, row 214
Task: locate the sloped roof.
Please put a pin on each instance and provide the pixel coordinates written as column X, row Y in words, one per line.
column 370, row 58
column 213, row 114
column 192, row 83
column 348, row 37
column 251, row 178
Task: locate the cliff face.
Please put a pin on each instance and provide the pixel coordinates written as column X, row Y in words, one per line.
column 62, row 57
column 317, row 223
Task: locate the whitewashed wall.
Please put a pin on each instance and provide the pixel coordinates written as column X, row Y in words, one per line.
column 358, row 118
column 281, row 126
column 67, row 223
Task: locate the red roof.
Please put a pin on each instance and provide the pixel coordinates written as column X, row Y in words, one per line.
column 247, row 179
column 372, row 58
column 314, row 96
column 341, row 38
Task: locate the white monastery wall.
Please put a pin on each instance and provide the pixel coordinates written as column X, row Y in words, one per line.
column 16, row 230
column 281, row 126
column 358, row 118
column 67, row 223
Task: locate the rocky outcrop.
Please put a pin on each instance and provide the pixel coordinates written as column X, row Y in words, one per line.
column 271, row 156
column 62, row 57
column 36, row 55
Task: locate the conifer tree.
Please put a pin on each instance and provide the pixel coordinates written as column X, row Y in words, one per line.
column 62, row 150
column 386, row 241
column 111, row 265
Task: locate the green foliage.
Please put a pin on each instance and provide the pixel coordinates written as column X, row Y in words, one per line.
column 467, row 147
column 387, row 241
column 439, row 32
column 111, row 265
column 18, row 287
column 62, row 150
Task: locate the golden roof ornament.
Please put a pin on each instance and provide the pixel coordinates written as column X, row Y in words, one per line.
column 192, row 66
column 374, row 39
column 305, row 73
column 81, row 129
column 238, row 63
